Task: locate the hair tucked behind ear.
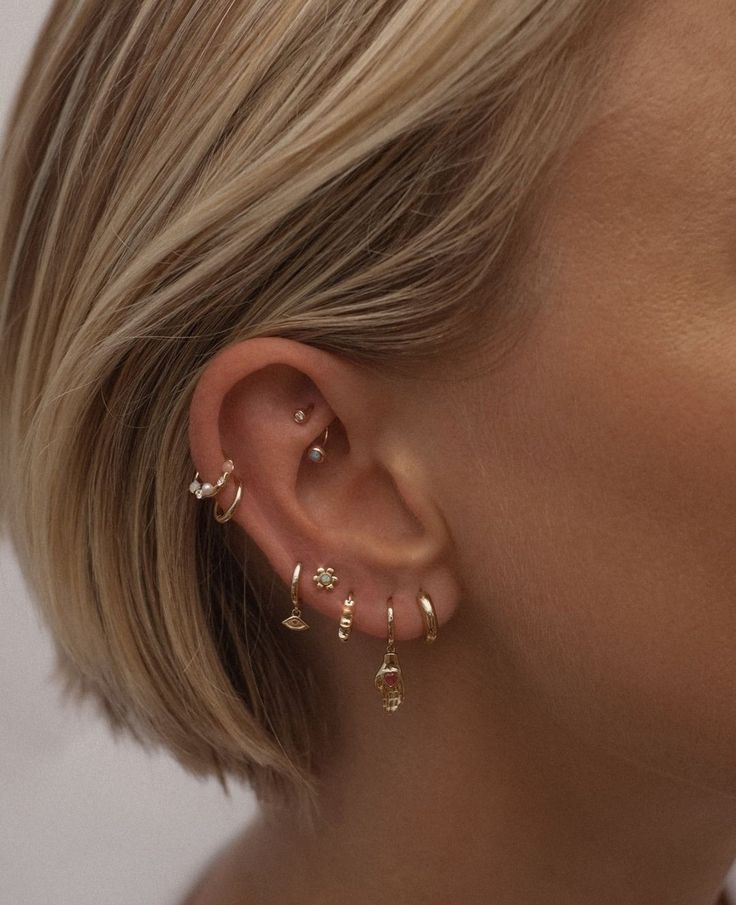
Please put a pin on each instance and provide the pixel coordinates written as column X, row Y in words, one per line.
column 181, row 174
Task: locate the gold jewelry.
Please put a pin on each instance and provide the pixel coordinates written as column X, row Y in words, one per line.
column 317, row 452
column 302, row 415
column 430, row 617
column 325, row 578
column 295, row 621
column 225, row 516
column 388, row 679
column 205, row 489
column 346, row 620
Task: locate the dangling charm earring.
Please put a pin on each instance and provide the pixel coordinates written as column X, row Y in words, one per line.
column 295, row 621
column 388, row 679
column 317, row 452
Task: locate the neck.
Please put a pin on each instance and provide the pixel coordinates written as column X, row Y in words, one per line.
column 471, row 791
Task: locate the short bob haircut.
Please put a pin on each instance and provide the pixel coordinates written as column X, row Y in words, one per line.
column 181, row 174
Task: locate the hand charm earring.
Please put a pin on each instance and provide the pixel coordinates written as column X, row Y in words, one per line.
column 388, row 679
column 295, row 621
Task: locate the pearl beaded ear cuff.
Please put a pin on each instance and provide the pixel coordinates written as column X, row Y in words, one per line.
column 205, row 489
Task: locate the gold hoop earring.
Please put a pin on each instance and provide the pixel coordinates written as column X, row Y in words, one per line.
column 430, row 617
column 389, row 680
column 227, row 514
column 346, row 619
column 295, row 621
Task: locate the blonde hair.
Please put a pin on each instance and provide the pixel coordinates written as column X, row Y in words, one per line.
column 179, row 175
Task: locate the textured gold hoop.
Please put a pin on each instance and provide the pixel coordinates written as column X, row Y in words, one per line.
column 227, row 514
column 346, row 620
column 430, row 617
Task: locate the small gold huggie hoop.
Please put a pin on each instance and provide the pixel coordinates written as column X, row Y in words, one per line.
column 227, row 514
column 295, row 621
column 346, row 620
column 430, row 617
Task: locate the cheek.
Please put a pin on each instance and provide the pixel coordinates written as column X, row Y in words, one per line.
column 602, row 527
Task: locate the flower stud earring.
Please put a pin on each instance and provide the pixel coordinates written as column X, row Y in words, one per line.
column 325, row 578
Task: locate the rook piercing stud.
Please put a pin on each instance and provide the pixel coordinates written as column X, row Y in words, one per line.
column 302, row 415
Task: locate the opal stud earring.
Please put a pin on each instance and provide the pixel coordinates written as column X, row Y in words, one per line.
column 317, row 452
column 295, row 621
column 325, row 578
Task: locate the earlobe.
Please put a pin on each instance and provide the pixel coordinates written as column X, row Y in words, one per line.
column 361, row 507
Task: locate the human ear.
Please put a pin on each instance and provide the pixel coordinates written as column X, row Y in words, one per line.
column 368, row 510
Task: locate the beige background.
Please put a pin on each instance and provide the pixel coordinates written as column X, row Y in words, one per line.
column 85, row 820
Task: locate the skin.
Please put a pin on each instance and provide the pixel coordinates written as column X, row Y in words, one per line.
column 570, row 736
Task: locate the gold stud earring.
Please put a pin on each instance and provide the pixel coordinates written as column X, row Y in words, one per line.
column 302, row 415
column 295, row 621
column 346, row 619
column 389, row 680
column 317, row 452
column 325, row 578
column 430, row 617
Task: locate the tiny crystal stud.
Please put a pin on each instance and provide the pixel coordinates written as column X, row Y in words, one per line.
column 325, row 578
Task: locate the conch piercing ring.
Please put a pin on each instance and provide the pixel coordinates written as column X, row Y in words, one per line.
column 295, row 621
column 205, row 489
column 227, row 514
column 346, row 620
column 430, row 617
column 388, row 680
column 317, row 452
column 325, row 578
